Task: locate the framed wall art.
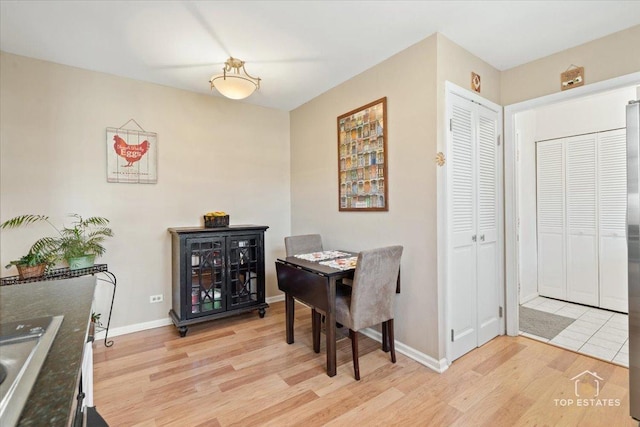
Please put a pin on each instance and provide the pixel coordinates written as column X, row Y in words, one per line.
column 132, row 155
column 362, row 163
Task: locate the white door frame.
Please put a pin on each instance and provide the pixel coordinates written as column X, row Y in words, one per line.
column 442, row 221
column 510, row 173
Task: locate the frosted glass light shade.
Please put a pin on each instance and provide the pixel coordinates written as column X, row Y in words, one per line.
column 234, row 86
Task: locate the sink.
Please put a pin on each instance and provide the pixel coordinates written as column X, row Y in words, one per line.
column 23, row 349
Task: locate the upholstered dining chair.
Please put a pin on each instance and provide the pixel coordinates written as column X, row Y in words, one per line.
column 371, row 299
column 305, row 244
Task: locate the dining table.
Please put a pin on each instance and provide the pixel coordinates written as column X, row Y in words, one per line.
column 313, row 280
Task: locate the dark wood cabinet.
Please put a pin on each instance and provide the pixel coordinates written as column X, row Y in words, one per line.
column 216, row 272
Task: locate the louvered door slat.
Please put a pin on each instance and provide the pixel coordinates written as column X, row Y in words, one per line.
column 612, row 200
column 462, row 167
column 551, row 232
column 613, row 181
column 550, row 185
column 487, row 172
column 581, row 183
column 582, row 241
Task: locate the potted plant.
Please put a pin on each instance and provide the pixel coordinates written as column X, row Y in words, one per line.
column 78, row 244
column 41, row 255
column 33, row 264
column 95, row 321
column 82, row 242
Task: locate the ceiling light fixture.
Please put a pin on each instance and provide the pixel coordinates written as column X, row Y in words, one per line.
column 233, row 84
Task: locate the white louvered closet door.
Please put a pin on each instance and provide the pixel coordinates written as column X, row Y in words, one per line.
column 462, row 298
column 612, row 201
column 581, row 222
column 488, row 254
column 551, row 226
column 474, row 261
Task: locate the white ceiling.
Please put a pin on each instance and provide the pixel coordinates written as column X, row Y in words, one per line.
column 300, row 49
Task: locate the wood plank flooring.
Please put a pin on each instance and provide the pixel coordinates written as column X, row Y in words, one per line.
column 240, row 372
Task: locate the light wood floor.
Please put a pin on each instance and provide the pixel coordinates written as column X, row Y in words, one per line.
column 240, row 371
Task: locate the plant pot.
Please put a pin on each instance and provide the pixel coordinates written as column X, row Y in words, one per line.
column 81, row 262
column 29, row 271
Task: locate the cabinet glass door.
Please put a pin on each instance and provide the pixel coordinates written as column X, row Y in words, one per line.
column 205, row 276
column 244, row 270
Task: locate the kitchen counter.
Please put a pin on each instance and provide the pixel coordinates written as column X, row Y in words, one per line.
column 54, row 393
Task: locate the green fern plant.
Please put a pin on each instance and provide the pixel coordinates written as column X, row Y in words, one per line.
column 43, row 251
column 84, row 237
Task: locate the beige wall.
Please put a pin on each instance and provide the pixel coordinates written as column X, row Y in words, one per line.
column 455, row 64
column 615, row 55
column 214, row 154
column 408, row 80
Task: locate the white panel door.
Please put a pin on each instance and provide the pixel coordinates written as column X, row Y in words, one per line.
column 488, row 259
column 612, row 201
column 462, row 298
column 551, row 223
column 581, row 219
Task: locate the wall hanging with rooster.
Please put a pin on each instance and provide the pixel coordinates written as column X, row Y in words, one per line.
column 132, row 155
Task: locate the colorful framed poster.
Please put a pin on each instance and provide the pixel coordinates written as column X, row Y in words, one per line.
column 362, row 163
column 132, row 156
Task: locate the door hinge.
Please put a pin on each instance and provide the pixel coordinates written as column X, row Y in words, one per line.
column 452, row 335
column 451, row 124
column 500, row 311
column 499, row 139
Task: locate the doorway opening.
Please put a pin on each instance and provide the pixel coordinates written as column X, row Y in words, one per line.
column 561, row 115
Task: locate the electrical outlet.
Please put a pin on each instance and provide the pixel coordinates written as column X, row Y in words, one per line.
column 155, row 298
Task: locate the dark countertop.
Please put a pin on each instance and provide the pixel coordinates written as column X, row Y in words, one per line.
column 54, row 392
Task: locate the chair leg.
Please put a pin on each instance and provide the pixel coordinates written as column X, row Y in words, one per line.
column 385, row 337
column 392, row 343
column 354, row 350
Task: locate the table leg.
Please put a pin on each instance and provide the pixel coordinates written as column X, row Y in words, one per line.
column 289, row 314
column 330, row 327
column 315, row 329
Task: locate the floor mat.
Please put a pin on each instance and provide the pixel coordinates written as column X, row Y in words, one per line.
column 541, row 323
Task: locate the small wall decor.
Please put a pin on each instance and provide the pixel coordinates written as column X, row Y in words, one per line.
column 132, row 155
column 572, row 77
column 362, row 163
column 475, row 82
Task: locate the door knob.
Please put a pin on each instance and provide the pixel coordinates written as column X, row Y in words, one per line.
column 482, row 237
column 473, row 238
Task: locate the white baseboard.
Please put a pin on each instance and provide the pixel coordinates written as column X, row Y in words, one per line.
column 123, row 330
column 277, row 298
column 526, row 299
column 438, row 366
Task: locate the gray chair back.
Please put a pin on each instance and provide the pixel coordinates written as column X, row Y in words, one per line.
column 303, row 244
column 374, row 285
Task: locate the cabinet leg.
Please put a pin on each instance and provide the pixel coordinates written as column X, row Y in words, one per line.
column 183, row 331
column 261, row 312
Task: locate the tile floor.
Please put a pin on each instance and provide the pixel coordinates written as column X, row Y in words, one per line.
column 599, row 333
